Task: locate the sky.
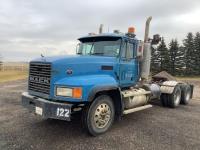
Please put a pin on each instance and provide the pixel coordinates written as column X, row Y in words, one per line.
column 29, row 28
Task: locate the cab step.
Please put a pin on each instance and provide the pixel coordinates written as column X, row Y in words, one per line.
column 128, row 111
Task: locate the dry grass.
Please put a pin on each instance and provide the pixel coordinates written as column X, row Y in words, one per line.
column 189, row 78
column 12, row 75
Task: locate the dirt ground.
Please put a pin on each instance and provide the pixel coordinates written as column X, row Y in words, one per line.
column 155, row 128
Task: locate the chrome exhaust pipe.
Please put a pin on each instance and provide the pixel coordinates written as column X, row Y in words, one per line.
column 146, row 62
column 146, row 35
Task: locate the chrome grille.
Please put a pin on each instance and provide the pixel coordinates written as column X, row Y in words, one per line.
column 40, row 77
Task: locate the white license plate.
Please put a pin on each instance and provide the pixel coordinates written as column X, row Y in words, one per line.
column 38, row 110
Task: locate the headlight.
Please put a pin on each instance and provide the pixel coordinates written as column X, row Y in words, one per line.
column 62, row 91
column 69, row 92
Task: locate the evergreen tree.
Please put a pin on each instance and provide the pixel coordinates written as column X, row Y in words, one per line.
column 180, row 61
column 164, row 56
column 176, row 55
column 197, row 53
column 189, row 54
column 173, row 49
column 155, row 60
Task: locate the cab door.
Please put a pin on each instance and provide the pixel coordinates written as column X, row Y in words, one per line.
column 128, row 64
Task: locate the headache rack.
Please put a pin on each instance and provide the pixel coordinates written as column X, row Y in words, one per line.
column 39, row 77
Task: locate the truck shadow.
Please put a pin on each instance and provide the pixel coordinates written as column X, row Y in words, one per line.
column 61, row 128
column 156, row 102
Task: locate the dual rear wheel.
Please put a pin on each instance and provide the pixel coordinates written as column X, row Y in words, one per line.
column 181, row 94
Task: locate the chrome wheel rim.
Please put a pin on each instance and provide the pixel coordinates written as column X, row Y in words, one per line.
column 177, row 97
column 102, row 115
column 187, row 98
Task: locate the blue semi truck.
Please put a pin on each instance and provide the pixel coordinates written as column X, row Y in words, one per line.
column 108, row 78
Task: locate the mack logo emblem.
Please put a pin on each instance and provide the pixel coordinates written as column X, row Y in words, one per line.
column 69, row 71
column 38, row 79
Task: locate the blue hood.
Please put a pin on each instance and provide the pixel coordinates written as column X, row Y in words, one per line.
column 76, row 59
column 80, row 65
column 85, row 71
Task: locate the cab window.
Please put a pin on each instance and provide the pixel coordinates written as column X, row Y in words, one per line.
column 101, row 46
column 127, row 51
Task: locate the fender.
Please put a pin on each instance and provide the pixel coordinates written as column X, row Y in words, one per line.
column 101, row 88
column 116, row 95
column 168, row 87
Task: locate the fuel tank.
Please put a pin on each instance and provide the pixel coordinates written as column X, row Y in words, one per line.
column 135, row 97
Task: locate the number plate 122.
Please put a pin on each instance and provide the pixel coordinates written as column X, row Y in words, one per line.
column 62, row 112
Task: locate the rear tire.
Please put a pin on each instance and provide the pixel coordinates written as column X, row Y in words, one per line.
column 174, row 98
column 99, row 116
column 164, row 100
column 186, row 94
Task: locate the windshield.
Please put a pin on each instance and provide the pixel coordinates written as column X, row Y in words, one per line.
column 104, row 47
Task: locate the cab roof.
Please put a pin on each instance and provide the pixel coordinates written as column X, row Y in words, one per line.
column 106, row 35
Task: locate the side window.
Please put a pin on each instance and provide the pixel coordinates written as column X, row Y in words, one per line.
column 127, row 51
column 124, row 50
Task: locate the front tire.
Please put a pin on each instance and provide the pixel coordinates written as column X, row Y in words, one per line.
column 99, row 116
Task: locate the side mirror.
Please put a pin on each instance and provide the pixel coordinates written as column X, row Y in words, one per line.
column 139, row 52
column 156, row 39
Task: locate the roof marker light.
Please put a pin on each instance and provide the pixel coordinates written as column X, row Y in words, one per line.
column 131, row 30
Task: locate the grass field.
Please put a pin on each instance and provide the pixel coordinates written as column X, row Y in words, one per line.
column 12, row 75
column 189, row 78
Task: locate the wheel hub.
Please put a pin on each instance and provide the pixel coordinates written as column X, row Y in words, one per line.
column 102, row 115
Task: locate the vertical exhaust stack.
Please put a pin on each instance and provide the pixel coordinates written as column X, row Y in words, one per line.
column 101, row 29
column 146, row 34
column 145, row 65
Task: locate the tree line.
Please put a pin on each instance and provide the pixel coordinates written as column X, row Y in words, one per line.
column 178, row 59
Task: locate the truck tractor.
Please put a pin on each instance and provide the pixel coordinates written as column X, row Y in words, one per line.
column 108, row 78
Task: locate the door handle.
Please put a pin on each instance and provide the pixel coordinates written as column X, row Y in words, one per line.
column 123, row 59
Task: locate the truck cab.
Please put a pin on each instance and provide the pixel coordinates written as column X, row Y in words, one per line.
column 120, row 49
column 102, row 61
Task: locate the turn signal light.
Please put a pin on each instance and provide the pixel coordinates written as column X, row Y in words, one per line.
column 77, row 92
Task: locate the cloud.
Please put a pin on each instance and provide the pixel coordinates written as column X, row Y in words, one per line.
column 27, row 28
